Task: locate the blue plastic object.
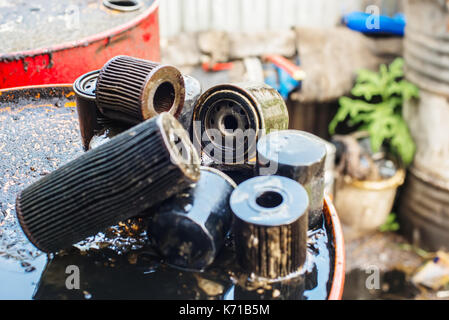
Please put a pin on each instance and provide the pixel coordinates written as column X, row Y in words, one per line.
column 280, row 80
column 375, row 24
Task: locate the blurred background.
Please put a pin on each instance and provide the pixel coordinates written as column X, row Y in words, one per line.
column 371, row 78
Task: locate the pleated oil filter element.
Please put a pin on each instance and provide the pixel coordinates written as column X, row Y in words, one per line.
column 120, row 179
column 229, row 118
column 86, row 106
column 270, row 227
column 190, row 228
column 133, row 90
column 299, row 156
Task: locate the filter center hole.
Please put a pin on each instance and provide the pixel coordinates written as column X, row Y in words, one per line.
column 269, row 199
column 164, row 97
column 230, row 123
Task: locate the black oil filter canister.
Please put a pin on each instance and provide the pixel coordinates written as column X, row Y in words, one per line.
column 299, row 156
column 270, row 228
column 189, row 228
column 193, row 92
column 229, row 118
column 85, row 97
column 120, row 179
column 132, row 90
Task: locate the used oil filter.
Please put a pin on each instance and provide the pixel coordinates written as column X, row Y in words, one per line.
column 270, row 227
column 229, row 118
column 109, row 131
column 85, row 96
column 193, row 92
column 120, row 179
column 132, row 90
column 190, row 228
column 299, row 156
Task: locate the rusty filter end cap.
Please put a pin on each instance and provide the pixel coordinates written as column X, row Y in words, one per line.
column 182, row 152
column 164, row 91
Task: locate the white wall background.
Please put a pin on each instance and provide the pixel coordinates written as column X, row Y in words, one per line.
column 250, row 15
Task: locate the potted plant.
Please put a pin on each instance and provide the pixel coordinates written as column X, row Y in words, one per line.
column 374, row 165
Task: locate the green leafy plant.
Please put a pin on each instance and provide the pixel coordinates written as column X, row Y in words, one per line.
column 390, row 225
column 379, row 109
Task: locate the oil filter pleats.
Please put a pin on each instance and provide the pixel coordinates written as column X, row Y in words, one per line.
column 132, row 90
column 189, row 229
column 299, row 156
column 118, row 180
column 229, row 118
column 270, row 230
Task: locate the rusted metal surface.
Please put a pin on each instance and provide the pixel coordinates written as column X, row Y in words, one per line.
column 270, row 229
column 225, row 110
column 311, row 117
column 426, row 47
column 424, row 210
column 49, row 59
column 427, row 118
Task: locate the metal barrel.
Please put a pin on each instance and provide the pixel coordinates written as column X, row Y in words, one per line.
column 270, row 227
column 424, row 210
column 118, row 180
column 299, row 156
column 229, row 118
column 189, row 229
column 132, row 90
column 426, row 45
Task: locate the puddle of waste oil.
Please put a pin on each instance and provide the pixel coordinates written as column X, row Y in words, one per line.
column 119, row 266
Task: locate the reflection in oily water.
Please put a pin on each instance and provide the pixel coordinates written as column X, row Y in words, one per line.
column 119, row 265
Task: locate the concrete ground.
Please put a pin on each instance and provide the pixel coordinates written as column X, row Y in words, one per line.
column 393, row 259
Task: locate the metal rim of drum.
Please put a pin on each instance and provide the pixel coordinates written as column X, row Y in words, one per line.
column 123, row 5
column 85, row 85
column 187, row 159
column 240, row 102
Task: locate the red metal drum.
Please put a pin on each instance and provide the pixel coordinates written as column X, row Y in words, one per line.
column 63, row 63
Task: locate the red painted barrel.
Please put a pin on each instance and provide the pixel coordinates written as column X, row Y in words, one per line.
column 63, row 63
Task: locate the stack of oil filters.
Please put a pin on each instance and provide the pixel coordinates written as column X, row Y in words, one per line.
column 158, row 148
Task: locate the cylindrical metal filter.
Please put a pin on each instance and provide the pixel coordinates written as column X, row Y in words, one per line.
column 118, row 180
column 85, row 88
column 299, row 156
column 189, row 229
column 133, row 90
column 229, row 118
column 193, row 92
column 270, row 227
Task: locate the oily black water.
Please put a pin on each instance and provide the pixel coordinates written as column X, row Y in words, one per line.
column 118, row 264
